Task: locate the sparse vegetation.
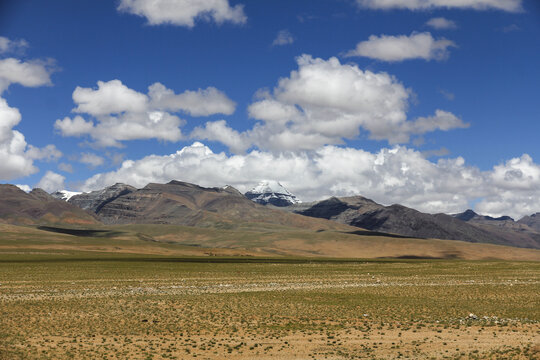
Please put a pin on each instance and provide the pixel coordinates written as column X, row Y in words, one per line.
column 128, row 306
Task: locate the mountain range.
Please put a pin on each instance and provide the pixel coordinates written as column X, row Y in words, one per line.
column 268, row 203
column 365, row 213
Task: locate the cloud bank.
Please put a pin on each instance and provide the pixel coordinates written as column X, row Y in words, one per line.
column 390, row 175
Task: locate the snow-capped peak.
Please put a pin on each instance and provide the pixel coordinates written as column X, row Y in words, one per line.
column 64, row 194
column 271, row 192
column 269, row 186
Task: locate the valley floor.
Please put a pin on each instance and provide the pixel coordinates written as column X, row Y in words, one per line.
column 118, row 307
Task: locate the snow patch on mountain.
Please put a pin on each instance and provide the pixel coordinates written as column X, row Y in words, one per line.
column 64, row 194
column 271, row 192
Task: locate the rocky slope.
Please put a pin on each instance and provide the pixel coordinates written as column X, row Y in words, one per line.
column 365, row 213
column 95, row 200
column 532, row 221
column 273, row 193
column 37, row 207
column 187, row 204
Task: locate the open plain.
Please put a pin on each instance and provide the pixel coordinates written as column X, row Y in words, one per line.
column 65, row 305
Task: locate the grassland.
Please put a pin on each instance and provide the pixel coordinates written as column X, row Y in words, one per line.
column 116, row 306
column 250, row 239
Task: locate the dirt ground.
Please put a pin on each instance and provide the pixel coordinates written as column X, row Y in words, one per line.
column 166, row 309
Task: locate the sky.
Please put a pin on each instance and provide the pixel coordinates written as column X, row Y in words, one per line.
column 433, row 104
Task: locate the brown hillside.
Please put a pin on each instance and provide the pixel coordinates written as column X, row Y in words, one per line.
column 19, row 207
column 182, row 203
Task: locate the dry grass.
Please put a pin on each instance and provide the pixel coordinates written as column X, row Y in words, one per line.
column 119, row 307
column 250, row 239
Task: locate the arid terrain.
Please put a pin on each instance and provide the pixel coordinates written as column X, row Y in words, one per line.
column 249, row 282
column 117, row 306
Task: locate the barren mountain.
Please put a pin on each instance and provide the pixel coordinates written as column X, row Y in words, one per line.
column 472, row 217
column 532, row 221
column 182, row 203
column 17, row 206
column 365, row 213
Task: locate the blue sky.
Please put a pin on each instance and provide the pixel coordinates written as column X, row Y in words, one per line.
column 434, row 107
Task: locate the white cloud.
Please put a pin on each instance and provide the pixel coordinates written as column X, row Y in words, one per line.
column 219, row 131
column 14, row 161
column 447, row 94
column 74, row 127
column 30, row 74
column 24, row 187
column 16, row 156
column 91, row 159
column 284, row 37
column 120, row 113
column 504, row 5
column 440, row 23
column 325, row 102
column 184, row 12
column 51, row 181
column 47, row 153
column 396, row 175
column 7, row 45
column 205, row 102
column 403, row 47
column 514, row 188
column 65, row 167
column 110, row 97
column 442, row 120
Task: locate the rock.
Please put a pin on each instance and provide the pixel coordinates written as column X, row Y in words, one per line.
column 95, row 200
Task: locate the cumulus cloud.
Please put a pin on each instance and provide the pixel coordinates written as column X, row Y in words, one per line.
column 220, row 131
column 110, row 97
column 7, row 45
column 514, row 188
column 14, row 162
column 91, row 159
column 30, row 73
column 390, row 175
column 403, row 47
column 325, row 102
column 119, row 113
column 184, row 12
column 47, row 153
column 16, row 156
column 504, row 5
column 441, row 23
column 205, row 102
column 284, row 37
column 51, row 181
